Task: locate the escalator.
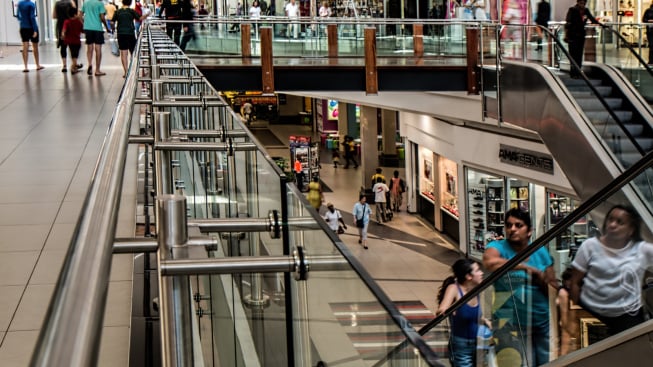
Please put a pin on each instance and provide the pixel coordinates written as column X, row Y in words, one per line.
column 507, row 285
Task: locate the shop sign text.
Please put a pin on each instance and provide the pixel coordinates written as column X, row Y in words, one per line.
column 526, row 158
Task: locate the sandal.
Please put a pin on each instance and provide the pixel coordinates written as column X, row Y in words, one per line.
column 40, row 68
column 25, row 70
column 89, row 71
column 64, row 70
column 100, row 73
column 74, row 70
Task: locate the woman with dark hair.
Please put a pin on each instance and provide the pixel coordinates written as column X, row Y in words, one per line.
column 608, row 271
column 465, row 321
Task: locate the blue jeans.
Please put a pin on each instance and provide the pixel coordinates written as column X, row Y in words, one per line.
column 463, row 351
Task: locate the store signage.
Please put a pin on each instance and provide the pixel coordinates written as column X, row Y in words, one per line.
column 526, row 158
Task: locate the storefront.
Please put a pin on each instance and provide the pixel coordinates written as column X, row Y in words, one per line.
column 438, row 192
column 462, row 181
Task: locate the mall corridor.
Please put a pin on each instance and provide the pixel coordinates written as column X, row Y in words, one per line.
column 53, row 125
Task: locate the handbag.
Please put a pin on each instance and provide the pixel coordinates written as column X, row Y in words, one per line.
column 360, row 223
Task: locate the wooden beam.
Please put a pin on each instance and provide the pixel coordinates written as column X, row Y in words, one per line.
column 371, row 75
column 472, row 59
column 246, row 40
column 418, row 40
column 332, row 40
column 267, row 60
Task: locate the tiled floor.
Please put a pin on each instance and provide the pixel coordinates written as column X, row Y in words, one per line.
column 52, row 127
column 51, row 130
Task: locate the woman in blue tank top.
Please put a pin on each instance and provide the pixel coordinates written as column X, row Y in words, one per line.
column 465, row 321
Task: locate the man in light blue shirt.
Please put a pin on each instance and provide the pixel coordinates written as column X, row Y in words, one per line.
column 94, row 19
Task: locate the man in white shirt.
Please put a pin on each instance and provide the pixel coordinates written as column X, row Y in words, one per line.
column 380, row 190
column 292, row 12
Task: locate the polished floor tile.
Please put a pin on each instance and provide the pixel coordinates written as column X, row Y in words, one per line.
column 48, row 267
column 17, row 267
column 17, row 346
column 25, row 237
column 32, row 308
column 9, row 299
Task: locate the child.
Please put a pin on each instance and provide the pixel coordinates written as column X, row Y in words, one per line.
column 335, row 158
column 71, row 33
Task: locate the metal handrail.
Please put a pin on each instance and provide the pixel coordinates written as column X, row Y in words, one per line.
column 73, row 323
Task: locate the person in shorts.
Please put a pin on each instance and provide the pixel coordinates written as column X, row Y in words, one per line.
column 71, row 33
column 94, row 19
column 123, row 20
column 29, row 31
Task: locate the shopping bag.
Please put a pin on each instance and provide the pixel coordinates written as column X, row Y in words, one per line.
column 114, row 46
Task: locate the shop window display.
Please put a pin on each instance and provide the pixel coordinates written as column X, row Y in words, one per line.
column 449, row 182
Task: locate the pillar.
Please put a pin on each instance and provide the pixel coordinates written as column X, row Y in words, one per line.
column 369, row 144
column 343, row 124
column 389, row 132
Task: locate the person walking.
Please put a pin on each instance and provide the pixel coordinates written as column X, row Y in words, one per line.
column 362, row 213
column 465, row 321
column 575, row 20
column 521, row 303
column 61, row 12
column 608, row 271
column 648, row 20
column 171, row 9
column 71, row 37
column 348, row 147
column 255, row 15
column 333, row 218
column 380, row 189
column 378, row 173
column 246, row 111
column 94, row 17
column 188, row 15
column 542, row 20
column 125, row 29
column 397, row 189
column 314, row 196
column 292, row 12
column 29, row 31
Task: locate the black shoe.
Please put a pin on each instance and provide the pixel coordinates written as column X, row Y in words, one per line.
column 365, row 247
column 477, row 205
column 477, row 212
column 477, row 220
column 360, row 241
column 478, row 198
column 480, row 226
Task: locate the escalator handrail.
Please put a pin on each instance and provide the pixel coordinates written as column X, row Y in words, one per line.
column 629, row 47
column 560, row 46
column 583, row 209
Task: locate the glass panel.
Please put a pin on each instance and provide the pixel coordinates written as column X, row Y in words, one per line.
column 600, row 289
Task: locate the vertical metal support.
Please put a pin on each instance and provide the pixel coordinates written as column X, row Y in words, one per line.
column 175, row 295
column 301, row 331
column 256, row 296
column 162, row 164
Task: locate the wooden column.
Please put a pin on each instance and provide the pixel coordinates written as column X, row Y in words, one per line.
column 472, row 59
column 246, row 40
column 590, row 44
column 371, row 77
column 418, row 40
column 267, row 66
column 332, row 40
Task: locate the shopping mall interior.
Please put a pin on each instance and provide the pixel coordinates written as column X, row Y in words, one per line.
column 145, row 221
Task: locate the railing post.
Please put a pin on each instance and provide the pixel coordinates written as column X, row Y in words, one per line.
column 246, row 40
column 332, row 39
column 371, row 76
column 162, row 158
column 472, row 59
column 418, row 40
column 267, row 60
column 175, row 295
